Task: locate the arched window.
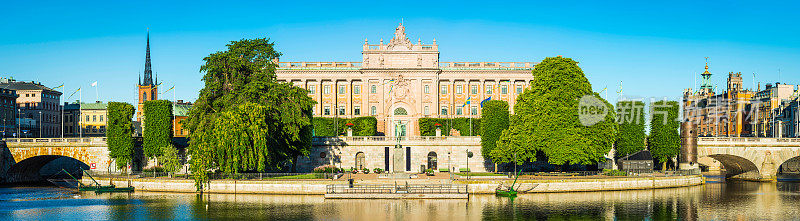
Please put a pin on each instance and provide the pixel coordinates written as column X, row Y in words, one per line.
column 144, row 96
column 400, row 111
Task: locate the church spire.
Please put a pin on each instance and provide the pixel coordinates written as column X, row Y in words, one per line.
column 148, row 71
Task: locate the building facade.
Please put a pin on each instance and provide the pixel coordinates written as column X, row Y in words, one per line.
column 36, row 104
column 399, row 82
column 180, row 112
column 8, row 112
column 92, row 118
column 740, row 112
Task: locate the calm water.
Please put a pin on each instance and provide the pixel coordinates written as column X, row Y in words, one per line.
column 717, row 200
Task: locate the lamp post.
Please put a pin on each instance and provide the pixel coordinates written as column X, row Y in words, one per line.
column 40, row 124
column 19, row 123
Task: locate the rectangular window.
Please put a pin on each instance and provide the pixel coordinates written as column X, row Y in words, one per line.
column 373, row 110
column 373, row 89
column 326, row 89
column 427, row 110
column 474, row 110
column 101, row 118
column 326, row 110
column 444, row 110
column 459, row 111
column 94, row 118
column 341, row 110
column 356, row 89
column 519, row 89
column 427, row 89
column 474, row 89
column 443, row 89
column 87, row 118
column 489, row 89
column 504, row 89
column 342, row 89
column 357, row 110
column 459, row 89
column 312, row 89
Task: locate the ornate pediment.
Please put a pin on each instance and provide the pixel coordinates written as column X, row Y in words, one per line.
column 400, row 41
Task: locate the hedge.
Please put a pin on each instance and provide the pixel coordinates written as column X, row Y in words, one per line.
column 427, row 126
column 157, row 127
column 495, row 119
column 362, row 126
column 120, row 133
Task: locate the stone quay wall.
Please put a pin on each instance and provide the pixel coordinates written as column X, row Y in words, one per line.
column 317, row 187
column 448, row 152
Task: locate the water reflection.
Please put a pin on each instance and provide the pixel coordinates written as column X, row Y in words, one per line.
column 714, row 201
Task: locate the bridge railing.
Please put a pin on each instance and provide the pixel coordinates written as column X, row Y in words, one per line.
column 84, row 140
column 755, row 141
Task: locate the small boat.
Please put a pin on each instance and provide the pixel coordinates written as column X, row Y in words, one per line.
column 115, row 190
column 509, row 191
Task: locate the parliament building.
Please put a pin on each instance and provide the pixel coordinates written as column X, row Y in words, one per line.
column 399, row 82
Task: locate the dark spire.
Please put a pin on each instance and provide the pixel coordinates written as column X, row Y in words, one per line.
column 148, row 71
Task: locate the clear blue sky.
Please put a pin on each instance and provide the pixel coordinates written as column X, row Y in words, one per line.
column 654, row 48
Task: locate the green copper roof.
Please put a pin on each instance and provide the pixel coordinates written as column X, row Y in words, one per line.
column 181, row 109
column 94, row 106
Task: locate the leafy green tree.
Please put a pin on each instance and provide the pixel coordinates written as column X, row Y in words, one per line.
column 631, row 136
column 120, row 133
column 245, row 114
column 546, row 119
column 664, row 141
column 494, row 119
column 157, row 134
column 169, row 159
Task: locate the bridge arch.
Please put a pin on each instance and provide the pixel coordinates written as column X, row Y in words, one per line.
column 737, row 167
column 791, row 166
column 40, row 168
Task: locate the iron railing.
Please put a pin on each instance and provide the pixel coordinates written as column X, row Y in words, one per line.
column 396, row 189
column 85, row 140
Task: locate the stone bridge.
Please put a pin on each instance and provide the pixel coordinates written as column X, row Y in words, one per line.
column 22, row 159
column 750, row 158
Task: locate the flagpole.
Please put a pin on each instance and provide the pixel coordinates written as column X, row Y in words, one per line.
column 62, row 115
column 80, row 113
column 96, row 93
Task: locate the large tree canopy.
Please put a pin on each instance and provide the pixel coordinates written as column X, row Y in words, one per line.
column 243, row 119
column 546, row 118
column 157, row 134
column 631, row 137
column 120, row 133
column 664, row 141
column 494, row 119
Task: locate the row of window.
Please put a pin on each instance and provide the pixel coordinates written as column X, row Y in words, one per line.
column 326, row 89
column 326, row 110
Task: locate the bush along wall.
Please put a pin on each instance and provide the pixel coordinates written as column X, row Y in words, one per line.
column 362, row 126
column 427, row 126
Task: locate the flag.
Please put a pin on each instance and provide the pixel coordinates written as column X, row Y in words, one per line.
column 73, row 93
column 173, row 86
column 59, row 86
column 94, row 84
column 469, row 99
column 485, row 100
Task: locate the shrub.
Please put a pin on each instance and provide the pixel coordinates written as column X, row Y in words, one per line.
column 494, row 120
column 444, row 170
column 377, row 170
column 427, row 126
column 326, row 169
column 157, row 127
column 365, row 170
column 362, row 126
column 463, row 170
column 429, row 172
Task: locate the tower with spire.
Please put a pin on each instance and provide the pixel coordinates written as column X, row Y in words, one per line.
column 706, row 87
column 148, row 88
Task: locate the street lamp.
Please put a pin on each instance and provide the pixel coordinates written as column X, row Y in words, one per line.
column 19, row 122
column 40, row 124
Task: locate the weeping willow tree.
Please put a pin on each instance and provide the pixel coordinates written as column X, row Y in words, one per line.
column 244, row 119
